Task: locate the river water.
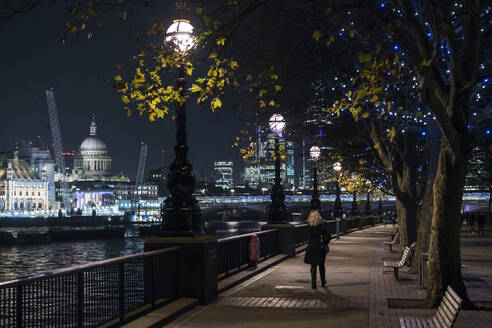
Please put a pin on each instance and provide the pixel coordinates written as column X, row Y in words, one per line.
column 18, row 261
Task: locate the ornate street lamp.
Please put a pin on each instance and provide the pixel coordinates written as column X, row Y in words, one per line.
column 276, row 211
column 315, row 152
column 337, row 210
column 181, row 213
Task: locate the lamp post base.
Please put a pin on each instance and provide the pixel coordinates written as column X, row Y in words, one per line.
column 196, row 264
column 181, row 222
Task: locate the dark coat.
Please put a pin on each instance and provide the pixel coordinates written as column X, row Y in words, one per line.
column 318, row 237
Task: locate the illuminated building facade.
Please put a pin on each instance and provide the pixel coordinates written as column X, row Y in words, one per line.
column 21, row 189
column 223, row 173
column 260, row 170
column 39, row 159
column 92, row 157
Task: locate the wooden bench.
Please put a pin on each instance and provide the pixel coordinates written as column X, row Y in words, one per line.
column 397, row 265
column 391, row 243
column 445, row 316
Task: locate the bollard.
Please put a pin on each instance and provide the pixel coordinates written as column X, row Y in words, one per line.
column 338, row 227
column 424, row 258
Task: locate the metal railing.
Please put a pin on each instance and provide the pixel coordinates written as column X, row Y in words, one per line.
column 91, row 294
column 233, row 252
column 301, row 234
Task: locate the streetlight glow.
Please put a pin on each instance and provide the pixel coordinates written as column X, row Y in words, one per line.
column 179, row 36
column 314, row 152
column 337, row 166
column 277, row 123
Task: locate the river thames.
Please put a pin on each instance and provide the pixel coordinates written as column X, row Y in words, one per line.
column 25, row 260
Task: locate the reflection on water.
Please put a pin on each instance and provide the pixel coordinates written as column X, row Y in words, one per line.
column 26, row 260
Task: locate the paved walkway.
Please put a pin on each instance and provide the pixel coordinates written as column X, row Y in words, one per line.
column 355, row 296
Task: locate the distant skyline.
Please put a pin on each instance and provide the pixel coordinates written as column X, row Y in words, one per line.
column 81, row 73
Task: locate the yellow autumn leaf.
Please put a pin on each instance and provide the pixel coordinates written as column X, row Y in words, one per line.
column 216, row 103
column 278, row 87
column 366, row 115
column 195, row 88
column 391, row 134
column 330, row 40
column 189, row 70
column 221, row 41
column 125, row 99
column 234, row 64
column 262, row 103
column 317, row 35
column 373, row 99
column 272, row 103
column 213, row 55
column 118, row 78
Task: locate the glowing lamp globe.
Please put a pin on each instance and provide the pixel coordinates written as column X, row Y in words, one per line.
column 277, row 123
column 179, row 36
column 337, row 166
column 315, row 152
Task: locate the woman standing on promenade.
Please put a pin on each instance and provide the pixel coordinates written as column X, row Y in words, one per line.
column 319, row 237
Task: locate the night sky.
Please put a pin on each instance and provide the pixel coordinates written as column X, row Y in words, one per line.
column 33, row 60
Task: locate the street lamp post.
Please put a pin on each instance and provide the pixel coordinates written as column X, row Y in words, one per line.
column 315, row 152
column 337, row 210
column 276, row 211
column 181, row 213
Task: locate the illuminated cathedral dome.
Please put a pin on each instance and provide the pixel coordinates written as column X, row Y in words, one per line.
column 92, row 157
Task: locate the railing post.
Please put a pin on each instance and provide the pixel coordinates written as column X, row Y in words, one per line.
column 18, row 306
column 239, row 253
column 152, row 280
column 80, row 299
column 121, row 270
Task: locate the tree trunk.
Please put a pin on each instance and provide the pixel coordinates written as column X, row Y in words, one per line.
column 424, row 216
column 407, row 213
column 444, row 268
column 405, row 167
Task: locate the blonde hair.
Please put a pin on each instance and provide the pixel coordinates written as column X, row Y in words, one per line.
column 314, row 218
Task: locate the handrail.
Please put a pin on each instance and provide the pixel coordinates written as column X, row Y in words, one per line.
column 223, row 240
column 82, row 267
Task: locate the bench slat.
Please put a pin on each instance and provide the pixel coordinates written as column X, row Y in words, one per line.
column 444, row 317
column 418, row 323
column 445, row 313
column 445, row 322
column 436, row 323
column 454, row 295
column 430, row 323
column 452, row 300
column 449, row 312
column 450, row 303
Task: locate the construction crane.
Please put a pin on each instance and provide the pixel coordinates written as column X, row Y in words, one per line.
column 140, row 176
column 141, row 164
column 57, row 144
